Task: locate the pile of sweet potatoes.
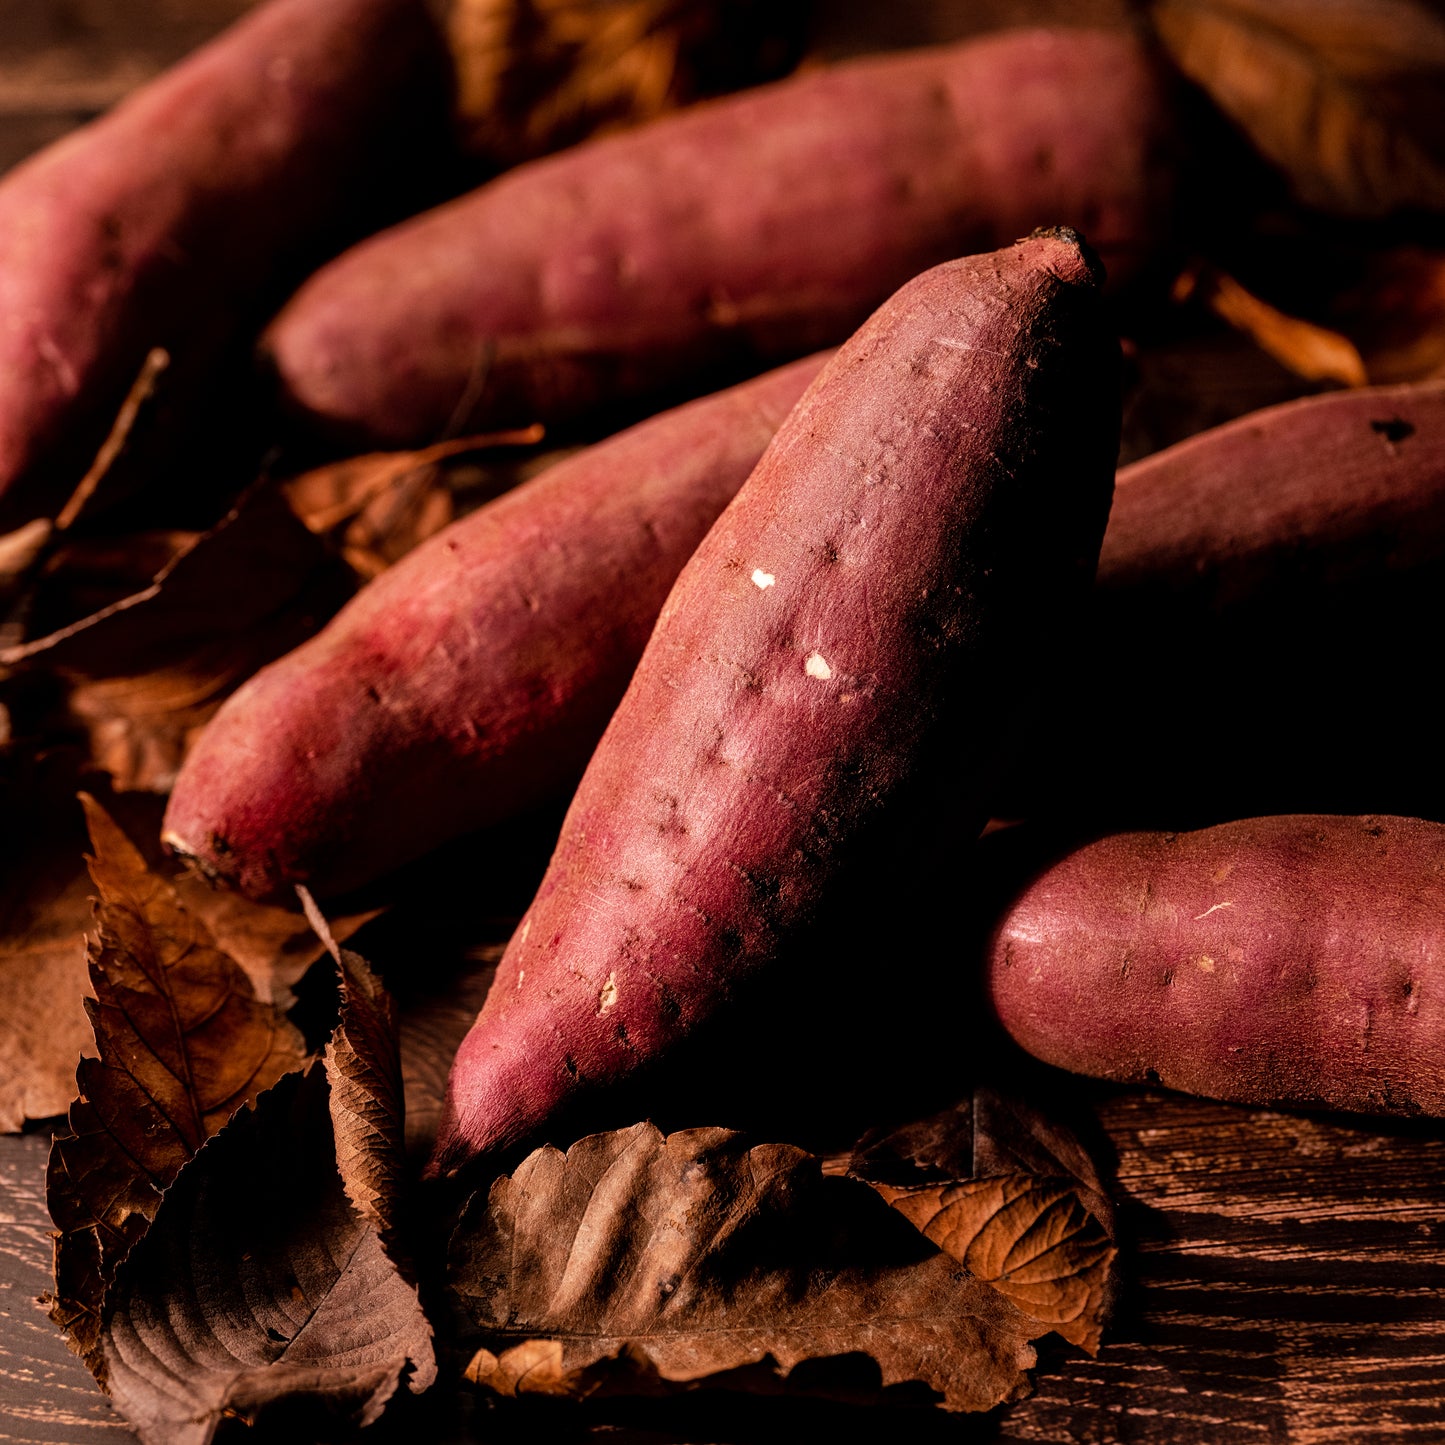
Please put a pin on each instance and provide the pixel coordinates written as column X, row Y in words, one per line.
column 767, row 637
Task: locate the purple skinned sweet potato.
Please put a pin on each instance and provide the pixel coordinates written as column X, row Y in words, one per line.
column 1255, row 646
column 473, row 678
column 826, row 661
column 174, row 220
column 1292, row 960
column 728, row 237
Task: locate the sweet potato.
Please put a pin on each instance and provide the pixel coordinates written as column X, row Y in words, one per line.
column 475, row 677
column 1256, row 631
column 1289, row 960
column 739, row 233
column 1312, row 494
column 816, row 671
column 176, row 219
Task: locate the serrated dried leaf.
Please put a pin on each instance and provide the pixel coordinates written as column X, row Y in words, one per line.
column 1009, row 1192
column 265, row 1285
column 1346, row 97
column 698, row 1256
column 363, row 1065
column 147, row 670
column 183, row 1043
column 261, row 1289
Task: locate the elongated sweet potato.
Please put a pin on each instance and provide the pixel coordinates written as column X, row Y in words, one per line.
column 1291, row 960
column 739, row 233
column 822, row 662
column 1258, row 623
column 475, row 677
column 1310, row 495
column 174, row 220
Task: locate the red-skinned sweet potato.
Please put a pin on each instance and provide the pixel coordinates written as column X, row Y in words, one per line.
column 174, row 220
column 1256, row 634
column 822, row 662
column 732, row 236
column 1289, row 960
column 475, row 677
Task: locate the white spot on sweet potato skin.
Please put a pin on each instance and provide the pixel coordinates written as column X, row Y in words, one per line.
column 816, row 665
column 1214, row 909
column 608, row 997
column 1206, row 964
column 762, row 580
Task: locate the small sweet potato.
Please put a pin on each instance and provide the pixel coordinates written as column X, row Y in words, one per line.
column 175, row 219
column 475, row 677
column 822, row 666
column 731, row 236
column 1289, row 960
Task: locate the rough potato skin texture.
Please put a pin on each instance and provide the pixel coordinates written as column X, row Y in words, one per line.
column 1316, row 492
column 171, row 219
column 1290, row 960
column 1272, row 570
column 938, row 491
column 473, row 678
column 737, row 234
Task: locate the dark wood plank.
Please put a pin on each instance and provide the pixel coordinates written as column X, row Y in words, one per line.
column 46, row 1394
column 1286, row 1279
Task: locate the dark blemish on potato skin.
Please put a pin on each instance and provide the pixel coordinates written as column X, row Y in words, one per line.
column 1394, row 429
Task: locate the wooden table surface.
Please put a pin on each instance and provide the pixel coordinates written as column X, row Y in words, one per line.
column 1285, row 1275
column 1285, row 1281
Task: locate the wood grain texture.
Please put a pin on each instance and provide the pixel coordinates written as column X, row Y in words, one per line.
column 46, row 1394
column 1284, row 1282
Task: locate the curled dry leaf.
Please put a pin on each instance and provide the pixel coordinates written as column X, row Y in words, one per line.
column 147, row 671
column 1310, row 351
column 636, row 1260
column 183, row 1044
column 267, row 1285
column 1011, row 1193
column 434, row 1021
column 536, row 75
column 1346, row 97
column 1395, row 312
column 379, row 506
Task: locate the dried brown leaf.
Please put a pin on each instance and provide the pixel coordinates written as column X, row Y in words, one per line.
column 434, row 1021
column 1346, row 97
column 265, row 1285
column 379, row 506
column 147, row 670
column 1310, row 351
column 1395, row 313
column 536, row 75
column 183, row 1044
column 1010, row 1193
column 44, row 913
column 696, row 1257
